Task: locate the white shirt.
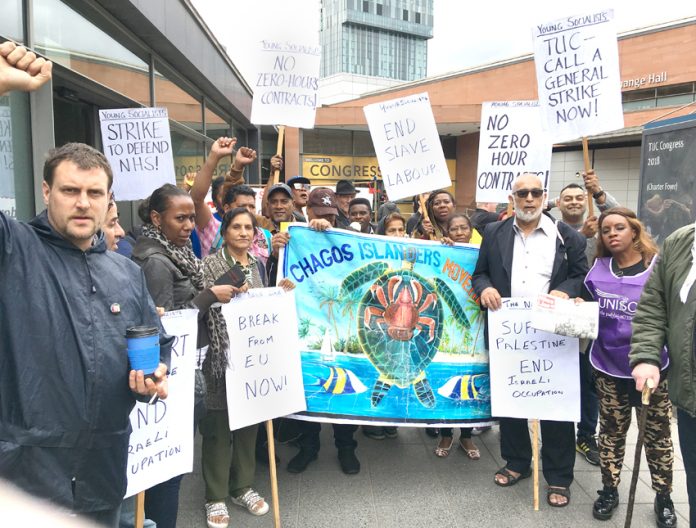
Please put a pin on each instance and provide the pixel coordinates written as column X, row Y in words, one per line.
column 532, row 259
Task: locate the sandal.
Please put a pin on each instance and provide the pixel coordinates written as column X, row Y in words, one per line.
column 511, row 479
column 252, row 501
column 441, row 451
column 216, row 515
column 558, row 490
column 472, row 454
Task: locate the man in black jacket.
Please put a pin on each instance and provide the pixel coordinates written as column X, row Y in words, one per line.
column 523, row 256
column 65, row 303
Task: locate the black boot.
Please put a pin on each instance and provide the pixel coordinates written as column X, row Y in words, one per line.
column 301, row 460
column 664, row 509
column 606, row 503
column 349, row 462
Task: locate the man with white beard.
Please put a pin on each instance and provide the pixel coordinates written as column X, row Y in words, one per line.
column 522, row 256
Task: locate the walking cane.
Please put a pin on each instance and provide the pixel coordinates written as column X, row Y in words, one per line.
column 645, row 400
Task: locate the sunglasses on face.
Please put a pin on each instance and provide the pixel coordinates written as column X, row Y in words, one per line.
column 302, row 186
column 522, row 193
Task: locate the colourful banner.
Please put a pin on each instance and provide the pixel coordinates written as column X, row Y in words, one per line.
column 390, row 329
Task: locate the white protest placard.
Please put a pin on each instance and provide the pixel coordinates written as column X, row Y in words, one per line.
column 579, row 83
column 565, row 317
column 408, row 146
column 161, row 444
column 138, row 146
column 7, row 190
column 286, row 83
column 534, row 374
column 264, row 373
column 513, row 141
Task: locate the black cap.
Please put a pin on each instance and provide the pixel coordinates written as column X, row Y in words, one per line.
column 345, row 187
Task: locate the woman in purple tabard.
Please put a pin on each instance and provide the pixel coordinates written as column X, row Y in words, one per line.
column 625, row 257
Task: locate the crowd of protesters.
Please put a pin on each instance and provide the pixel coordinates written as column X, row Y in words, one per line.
column 65, row 396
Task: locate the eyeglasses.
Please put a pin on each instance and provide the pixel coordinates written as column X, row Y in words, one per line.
column 303, row 186
column 523, row 193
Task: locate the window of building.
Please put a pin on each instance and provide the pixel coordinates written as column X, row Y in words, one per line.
column 418, row 18
column 181, row 106
column 366, row 6
column 405, row 15
column 673, row 95
column 188, row 150
column 16, row 181
column 67, row 38
column 215, row 125
column 12, row 20
column 379, row 9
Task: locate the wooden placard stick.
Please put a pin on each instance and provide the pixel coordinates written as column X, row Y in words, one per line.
column 279, row 152
column 535, row 461
column 424, row 213
column 274, row 474
column 140, row 510
column 588, row 168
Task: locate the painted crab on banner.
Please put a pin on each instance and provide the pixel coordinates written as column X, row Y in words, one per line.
column 400, row 322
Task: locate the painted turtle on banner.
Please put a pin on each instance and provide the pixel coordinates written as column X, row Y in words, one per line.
column 400, row 323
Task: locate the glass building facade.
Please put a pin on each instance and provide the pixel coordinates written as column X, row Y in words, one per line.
column 381, row 38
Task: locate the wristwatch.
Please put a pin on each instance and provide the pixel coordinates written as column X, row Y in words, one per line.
column 598, row 194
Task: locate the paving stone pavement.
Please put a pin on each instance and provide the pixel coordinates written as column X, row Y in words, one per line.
column 403, row 484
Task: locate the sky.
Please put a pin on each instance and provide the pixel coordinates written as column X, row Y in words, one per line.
column 465, row 34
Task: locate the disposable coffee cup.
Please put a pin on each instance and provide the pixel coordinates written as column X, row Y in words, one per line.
column 143, row 348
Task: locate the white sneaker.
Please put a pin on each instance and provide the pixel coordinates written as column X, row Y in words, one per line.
column 252, row 501
column 217, row 510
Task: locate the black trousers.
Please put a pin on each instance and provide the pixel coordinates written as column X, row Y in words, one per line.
column 343, row 436
column 687, row 443
column 557, row 449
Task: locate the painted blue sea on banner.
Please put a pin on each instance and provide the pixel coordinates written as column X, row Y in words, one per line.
column 390, row 328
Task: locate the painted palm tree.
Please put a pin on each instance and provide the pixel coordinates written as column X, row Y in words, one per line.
column 304, row 327
column 328, row 297
column 349, row 305
column 475, row 315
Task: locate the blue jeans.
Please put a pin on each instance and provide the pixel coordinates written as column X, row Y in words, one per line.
column 687, row 441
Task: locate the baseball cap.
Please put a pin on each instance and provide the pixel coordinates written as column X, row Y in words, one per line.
column 345, row 187
column 297, row 179
column 322, row 201
column 280, row 187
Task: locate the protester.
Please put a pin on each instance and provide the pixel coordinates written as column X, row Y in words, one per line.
column 458, row 231
column 207, row 225
column 323, row 212
column 245, row 196
column 360, row 211
column 483, row 215
column 228, row 458
column 572, row 203
column 665, row 317
column 175, row 281
column 625, row 257
column 439, row 206
column 300, row 192
column 393, row 224
column 521, row 257
column 113, row 232
column 65, row 434
column 345, row 192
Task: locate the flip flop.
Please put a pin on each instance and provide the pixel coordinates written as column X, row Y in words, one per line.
column 557, row 490
column 511, row 479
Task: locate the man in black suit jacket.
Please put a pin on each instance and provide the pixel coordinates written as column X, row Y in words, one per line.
column 523, row 256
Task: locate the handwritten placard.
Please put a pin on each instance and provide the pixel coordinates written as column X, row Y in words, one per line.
column 7, row 190
column 286, row 85
column 577, row 66
column 264, row 373
column 408, row 146
column 139, row 147
column 534, row 374
column 161, row 444
column 513, row 141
